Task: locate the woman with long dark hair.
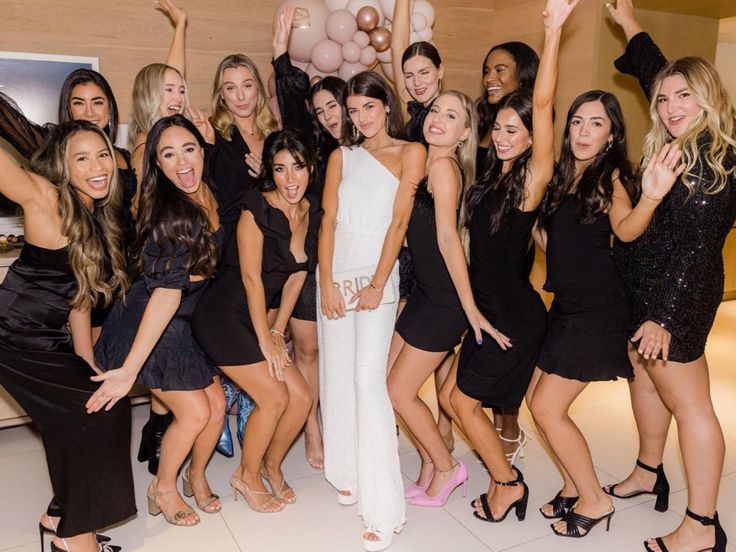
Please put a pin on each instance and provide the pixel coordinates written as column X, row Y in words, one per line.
column 367, row 200
column 275, row 245
column 589, row 199
column 148, row 337
column 500, row 211
column 73, row 254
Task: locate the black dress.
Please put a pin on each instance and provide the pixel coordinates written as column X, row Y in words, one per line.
column 88, row 455
column 176, row 363
column 415, row 125
column 499, row 274
column 222, row 322
column 674, row 270
column 433, row 318
column 590, row 316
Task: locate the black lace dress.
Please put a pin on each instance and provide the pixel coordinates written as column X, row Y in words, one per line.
column 674, row 271
column 222, row 322
column 590, row 316
column 88, row 455
column 433, row 318
column 176, row 363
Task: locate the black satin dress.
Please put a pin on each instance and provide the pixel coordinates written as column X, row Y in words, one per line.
column 590, row 316
column 222, row 322
column 433, row 318
column 499, row 275
column 88, row 455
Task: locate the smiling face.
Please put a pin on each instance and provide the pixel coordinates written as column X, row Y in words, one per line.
column 89, row 103
column 367, row 114
column 510, row 136
column 445, row 124
column 174, row 98
column 180, row 158
column 422, row 78
column 90, row 165
column 676, row 105
column 590, row 131
column 291, row 176
column 499, row 75
column 239, row 91
column 329, row 112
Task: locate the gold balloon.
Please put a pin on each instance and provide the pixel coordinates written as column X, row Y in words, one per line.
column 380, row 39
column 367, row 18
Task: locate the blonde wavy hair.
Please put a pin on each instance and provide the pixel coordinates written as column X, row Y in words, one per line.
column 222, row 118
column 717, row 122
column 466, row 156
column 148, row 92
column 89, row 247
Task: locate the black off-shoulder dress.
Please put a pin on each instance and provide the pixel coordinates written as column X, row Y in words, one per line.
column 674, row 271
column 222, row 322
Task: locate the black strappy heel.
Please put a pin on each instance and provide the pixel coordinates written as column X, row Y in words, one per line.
column 519, row 504
column 576, row 522
column 721, row 540
column 561, row 505
column 661, row 488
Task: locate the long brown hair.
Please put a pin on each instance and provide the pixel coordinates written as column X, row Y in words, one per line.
column 93, row 234
column 373, row 85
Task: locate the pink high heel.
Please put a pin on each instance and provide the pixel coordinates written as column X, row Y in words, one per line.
column 460, row 478
column 414, row 490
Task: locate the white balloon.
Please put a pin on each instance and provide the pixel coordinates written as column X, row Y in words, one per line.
column 354, row 5
column 333, row 5
column 388, row 8
column 385, row 56
column 426, row 9
column 418, row 21
column 300, row 64
column 388, row 70
column 362, row 39
column 425, row 34
column 414, row 37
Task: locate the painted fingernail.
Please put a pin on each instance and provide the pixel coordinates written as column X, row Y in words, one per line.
column 479, row 341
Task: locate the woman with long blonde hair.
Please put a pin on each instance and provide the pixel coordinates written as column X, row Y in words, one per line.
column 72, row 256
column 674, row 274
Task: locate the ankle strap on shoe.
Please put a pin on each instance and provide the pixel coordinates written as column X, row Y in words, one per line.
column 643, row 466
column 702, row 519
column 513, row 483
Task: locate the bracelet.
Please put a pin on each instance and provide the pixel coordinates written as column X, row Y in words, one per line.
column 374, row 286
column 275, row 331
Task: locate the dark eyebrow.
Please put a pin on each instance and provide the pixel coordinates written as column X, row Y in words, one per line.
column 93, row 99
column 185, row 144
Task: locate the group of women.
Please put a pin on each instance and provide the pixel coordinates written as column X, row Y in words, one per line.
column 195, row 255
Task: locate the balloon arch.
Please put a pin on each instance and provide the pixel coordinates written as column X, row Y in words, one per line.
column 345, row 37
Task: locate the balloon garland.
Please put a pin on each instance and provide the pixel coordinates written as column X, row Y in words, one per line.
column 345, row 37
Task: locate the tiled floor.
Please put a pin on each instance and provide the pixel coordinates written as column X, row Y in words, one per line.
column 316, row 523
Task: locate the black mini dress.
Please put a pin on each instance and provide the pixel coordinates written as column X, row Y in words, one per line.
column 222, row 322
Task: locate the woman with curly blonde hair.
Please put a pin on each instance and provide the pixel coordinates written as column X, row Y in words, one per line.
column 674, row 275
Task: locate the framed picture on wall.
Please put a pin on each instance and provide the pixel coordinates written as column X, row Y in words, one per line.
column 34, row 81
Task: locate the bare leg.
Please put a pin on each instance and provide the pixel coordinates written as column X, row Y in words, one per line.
column 306, row 358
column 550, row 405
column 86, row 542
column 685, row 390
column 445, row 394
column 411, row 369
column 482, row 433
column 568, row 486
column 444, row 422
column 652, row 421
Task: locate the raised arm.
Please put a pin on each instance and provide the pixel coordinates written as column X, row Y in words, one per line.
column 400, row 31
column 642, row 58
column 292, row 84
column 413, row 163
column 16, row 183
column 543, row 99
column 332, row 303
column 627, row 222
column 445, row 183
column 177, row 57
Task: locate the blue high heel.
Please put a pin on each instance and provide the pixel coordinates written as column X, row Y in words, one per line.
column 245, row 407
column 225, row 442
